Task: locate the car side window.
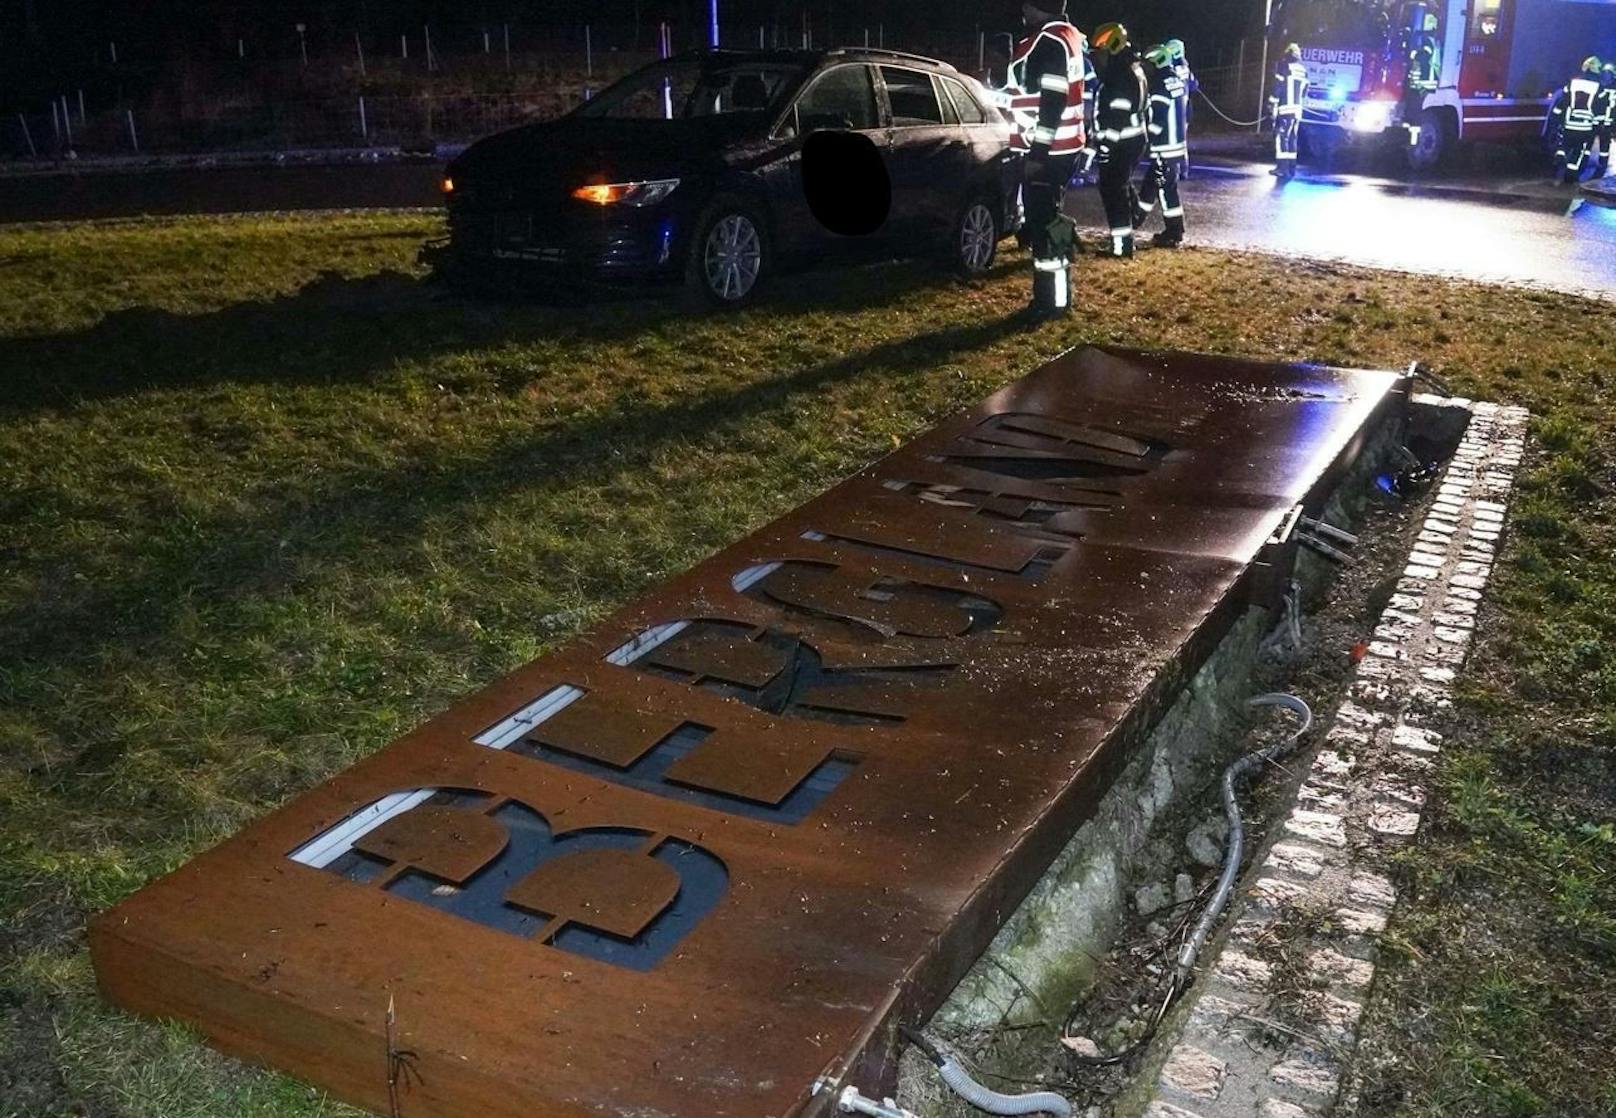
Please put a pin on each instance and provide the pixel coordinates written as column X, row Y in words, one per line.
column 950, row 114
column 839, row 99
column 970, row 111
column 914, row 103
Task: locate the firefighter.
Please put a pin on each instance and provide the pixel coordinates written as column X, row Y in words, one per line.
column 1290, row 90
column 1575, row 119
column 1606, row 125
column 1181, row 67
column 1120, row 137
column 1421, row 78
column 1091, row 86
column 1169, row 100
column 1046, row 100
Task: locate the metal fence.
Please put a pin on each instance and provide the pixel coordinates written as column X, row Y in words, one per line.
column 416, row 102
column 411, row 122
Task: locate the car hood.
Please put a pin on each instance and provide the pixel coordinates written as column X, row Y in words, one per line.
column 578, row 149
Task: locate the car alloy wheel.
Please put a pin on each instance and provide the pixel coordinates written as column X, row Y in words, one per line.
column 978, row 238
column 733, row 257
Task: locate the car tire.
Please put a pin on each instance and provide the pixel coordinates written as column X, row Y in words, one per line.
column 1438, row 137
column 974, row 243
column 1321, row 145
column 730, row 255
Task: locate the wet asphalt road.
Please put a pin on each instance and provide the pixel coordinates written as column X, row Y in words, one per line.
column 1531, row 236
column 1495, row 228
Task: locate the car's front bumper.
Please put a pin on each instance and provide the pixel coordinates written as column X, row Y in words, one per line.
column 609, row 247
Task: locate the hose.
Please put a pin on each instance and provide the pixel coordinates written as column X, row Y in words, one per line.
column 962, row 1084
column 1232, row 777
column 1213, row 105
column 1420, row 372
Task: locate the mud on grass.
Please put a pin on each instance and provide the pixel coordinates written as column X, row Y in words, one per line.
column 269, row 500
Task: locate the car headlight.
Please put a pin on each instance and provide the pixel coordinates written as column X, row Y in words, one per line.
column 1372, row 116
column 647, row 193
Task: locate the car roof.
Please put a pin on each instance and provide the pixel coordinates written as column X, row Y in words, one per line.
column 814, row 57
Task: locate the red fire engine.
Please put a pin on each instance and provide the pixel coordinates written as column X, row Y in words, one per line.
column 1497, row 66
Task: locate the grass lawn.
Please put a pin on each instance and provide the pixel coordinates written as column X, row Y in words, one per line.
column 267, row 500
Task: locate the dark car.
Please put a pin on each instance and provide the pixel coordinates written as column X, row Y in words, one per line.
column 691, row 169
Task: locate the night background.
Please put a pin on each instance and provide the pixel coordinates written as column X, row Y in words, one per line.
column 49, row 48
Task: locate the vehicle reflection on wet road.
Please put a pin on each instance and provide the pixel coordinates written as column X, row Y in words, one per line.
column 1500, row 237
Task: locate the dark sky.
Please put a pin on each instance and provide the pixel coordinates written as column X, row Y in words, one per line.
column 58, row 42
column 59, row 23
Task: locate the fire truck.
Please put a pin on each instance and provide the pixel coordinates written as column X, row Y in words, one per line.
column 1497, row 63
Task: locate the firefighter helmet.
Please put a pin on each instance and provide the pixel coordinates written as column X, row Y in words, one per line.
column 1591, row 64
column 1293, row 52
column 1161, row 55
column 1111, row 38
column 1175, row 48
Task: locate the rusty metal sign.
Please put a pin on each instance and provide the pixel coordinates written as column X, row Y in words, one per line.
column 713, row 852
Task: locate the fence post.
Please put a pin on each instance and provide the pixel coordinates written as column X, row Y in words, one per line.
column 1262, row 67
column 364, row 126
column 431, row 62
column 589, row 54
column 82, row 119
column 507, row 48
column 56, row 124
column 1240, row 75
column 488, row 47
column 134, row 140
column 114, row 49
column 27, row 135
column 665, row 48
column 67, row 122
column 404, row 47
column 359, row 48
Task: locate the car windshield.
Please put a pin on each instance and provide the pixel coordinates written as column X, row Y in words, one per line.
column 1332, row 22
column 693, row 86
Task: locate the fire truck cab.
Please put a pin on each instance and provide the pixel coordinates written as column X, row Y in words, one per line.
column 1497, row 65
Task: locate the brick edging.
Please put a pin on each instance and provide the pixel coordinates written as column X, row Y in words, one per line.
column 1362, row 799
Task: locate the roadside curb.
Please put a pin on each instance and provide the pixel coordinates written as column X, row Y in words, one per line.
column 1249, row 1047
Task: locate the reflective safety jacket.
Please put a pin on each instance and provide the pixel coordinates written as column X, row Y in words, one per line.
column 1422, row 65
column 1046, row 89
column 1169, row 112
column 1181, row 67
column 1580, row 106
column 1121, row 105
column 1290, row 88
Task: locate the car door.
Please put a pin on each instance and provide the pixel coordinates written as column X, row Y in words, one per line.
column 841, row 98
column 928, row 155
column 991, row 167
